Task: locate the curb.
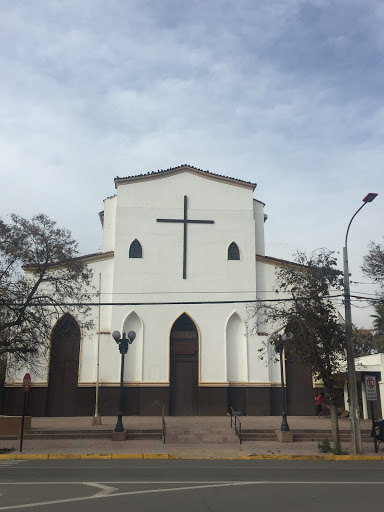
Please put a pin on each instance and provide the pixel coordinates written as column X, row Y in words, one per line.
column 165, row 456
column 81, row 456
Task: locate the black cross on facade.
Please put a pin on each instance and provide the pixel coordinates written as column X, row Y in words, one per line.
column 186, row 221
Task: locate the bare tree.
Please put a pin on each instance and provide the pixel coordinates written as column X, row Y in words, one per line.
column 40, row 269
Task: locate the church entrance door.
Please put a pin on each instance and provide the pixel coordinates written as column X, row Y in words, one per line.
column 63, row 368
column 184, row 368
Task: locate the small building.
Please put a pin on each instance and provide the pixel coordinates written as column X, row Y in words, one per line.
column 371, row 365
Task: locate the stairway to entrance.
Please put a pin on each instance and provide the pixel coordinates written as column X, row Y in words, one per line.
column 200, row 430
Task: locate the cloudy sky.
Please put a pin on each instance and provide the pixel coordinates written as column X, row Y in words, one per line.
column 284, row 93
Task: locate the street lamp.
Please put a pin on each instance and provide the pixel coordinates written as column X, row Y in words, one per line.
column 354, row 404
column 280, row 349
column 123, row 348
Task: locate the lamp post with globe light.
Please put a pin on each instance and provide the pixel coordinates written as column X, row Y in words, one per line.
column 123, row 349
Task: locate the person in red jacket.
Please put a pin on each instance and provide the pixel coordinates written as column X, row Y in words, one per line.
column 319, row 404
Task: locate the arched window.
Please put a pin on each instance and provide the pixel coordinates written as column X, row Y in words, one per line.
column 233, row 252
column 135, row 250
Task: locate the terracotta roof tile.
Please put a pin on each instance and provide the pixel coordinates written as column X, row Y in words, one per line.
column 163, row 171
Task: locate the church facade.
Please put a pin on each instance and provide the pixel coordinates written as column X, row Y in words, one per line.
column 183, row 259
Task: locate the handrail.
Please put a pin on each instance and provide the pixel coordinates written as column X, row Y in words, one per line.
column 163, row 426
column 235, row 422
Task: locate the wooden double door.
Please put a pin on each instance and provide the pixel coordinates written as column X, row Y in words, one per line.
column 184, row 368
column 63, row 368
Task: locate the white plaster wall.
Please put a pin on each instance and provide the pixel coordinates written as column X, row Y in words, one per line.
column 160, row 270
column 266, row 282
column 258, row 214
column 89, row 340
column 109, row 226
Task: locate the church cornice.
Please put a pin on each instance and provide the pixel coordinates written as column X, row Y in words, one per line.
column 163, row 173
column 270, row 260
column 86, row 258
column 278, row 262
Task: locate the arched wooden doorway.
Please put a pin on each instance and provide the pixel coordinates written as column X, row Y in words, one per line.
column 184, row 368
column 63, row 368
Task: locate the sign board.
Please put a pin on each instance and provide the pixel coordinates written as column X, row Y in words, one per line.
column 26, row 382
column 370, row 387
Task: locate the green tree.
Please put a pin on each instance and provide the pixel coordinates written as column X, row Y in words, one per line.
column 378, row 326
column 40, row 269
column 373, row 267
column 363, row 342
column 308, row 314
column 373, row 263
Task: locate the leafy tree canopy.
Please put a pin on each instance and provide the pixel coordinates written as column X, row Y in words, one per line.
column 308, row 313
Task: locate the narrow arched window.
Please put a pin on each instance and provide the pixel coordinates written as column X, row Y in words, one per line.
column 135, row 250
column 233, row 252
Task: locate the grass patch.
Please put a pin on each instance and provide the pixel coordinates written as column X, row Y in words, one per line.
column 325, row 447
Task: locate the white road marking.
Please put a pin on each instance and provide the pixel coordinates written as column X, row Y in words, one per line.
column 105, row 489
column 130, row 482
column 176, row 489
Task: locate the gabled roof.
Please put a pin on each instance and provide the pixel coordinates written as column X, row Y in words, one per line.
column 184, row 168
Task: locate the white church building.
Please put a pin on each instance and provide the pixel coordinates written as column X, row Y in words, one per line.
column 183, row 257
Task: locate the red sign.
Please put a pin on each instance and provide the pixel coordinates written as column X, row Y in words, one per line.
column 370, row 383
column 26, row 382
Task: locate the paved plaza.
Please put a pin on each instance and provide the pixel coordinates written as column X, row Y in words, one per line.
column 187, row 437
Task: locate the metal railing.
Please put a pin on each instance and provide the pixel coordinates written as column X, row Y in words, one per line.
column 163, row 426
column 235, row 421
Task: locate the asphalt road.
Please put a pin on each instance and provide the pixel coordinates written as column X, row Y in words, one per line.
column 186, row 486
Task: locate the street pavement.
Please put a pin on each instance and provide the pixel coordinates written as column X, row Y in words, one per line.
column 174, row 485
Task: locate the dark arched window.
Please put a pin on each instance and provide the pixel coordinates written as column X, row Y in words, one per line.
column 135, row 250
column 233, row 252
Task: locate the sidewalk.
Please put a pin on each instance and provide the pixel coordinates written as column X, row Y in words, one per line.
column 206, row 448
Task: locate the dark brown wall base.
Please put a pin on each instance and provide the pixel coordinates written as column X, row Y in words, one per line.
column 213, row 401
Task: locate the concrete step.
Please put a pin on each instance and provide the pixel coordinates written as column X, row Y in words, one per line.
column 201, row 436
column 85, row 434
column 259, row 436
column 300, row 435
column 153, row 434
column 257, row 430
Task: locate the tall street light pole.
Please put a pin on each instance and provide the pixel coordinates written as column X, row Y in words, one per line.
column 354, row 403
column 123, row 348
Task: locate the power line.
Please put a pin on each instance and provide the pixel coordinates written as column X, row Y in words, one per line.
column 90, row 304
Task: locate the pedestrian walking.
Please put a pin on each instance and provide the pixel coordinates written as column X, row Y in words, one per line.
column 319, row 404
